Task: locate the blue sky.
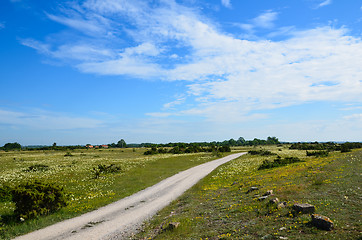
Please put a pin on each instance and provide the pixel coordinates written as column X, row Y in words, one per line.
column 96, row 71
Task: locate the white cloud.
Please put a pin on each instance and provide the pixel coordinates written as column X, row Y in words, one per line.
column 325, row 3
column 159, row 114
column 136, row 67
column 38, row 119
column 170, row 42
column 265, row 20
column 172, row 104
column 86, row 26
column 355, row 117
column 82, row 52
column 39, row 46
column 226, row 3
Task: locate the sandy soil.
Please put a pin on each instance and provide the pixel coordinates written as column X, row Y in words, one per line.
column 124, row 217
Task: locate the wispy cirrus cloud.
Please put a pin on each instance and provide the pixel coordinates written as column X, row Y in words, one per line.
column 264, row 20
column 43, row 120
column 325, row 3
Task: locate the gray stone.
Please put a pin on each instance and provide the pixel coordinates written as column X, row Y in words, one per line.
column 268, row 236
column 322, row 222
column 282, row 205
column 268, row 193
column 303, row 208
column 262, row 198
column 252, row 189
column 274, row 201
column 171, row 226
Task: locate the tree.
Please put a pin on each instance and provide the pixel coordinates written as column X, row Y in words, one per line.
column 12, row 146
column 121, row 144
column 272, row 140
column 241, row 141
column 232, row 142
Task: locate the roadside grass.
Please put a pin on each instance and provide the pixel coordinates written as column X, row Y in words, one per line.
column 219, row 207
column 74, row 171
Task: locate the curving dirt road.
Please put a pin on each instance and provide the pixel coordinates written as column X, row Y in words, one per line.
column 121, row 218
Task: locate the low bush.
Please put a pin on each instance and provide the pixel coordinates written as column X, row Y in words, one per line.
column 37, row 198
column 5, row 193
column 151, row 152
column 37, row 167
column 261, row 152
column 68, row 154
column 278, row 162
column 102, row 168
column 318, row 153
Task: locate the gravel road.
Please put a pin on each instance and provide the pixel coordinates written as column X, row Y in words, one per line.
column 124, row 217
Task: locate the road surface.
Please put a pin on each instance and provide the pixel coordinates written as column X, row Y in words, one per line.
column 122, row 218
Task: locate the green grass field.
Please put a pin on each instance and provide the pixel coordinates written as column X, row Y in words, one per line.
column 73, row 171
column 219, row 206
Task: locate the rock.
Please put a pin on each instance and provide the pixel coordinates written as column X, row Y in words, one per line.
column 262, row 198
column 268, row 236
column 252, row 189
column 274, row 201
column 268, row 193
column 282, row 205
column 322, row 222
column 303, row 208
column 171, row 226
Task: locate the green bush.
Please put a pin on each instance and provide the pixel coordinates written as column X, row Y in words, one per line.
column 101, row 168
column 37, row 167
column 318, row 153
column 37, row 198
column 68, row 154
column 5, row 193
column 278, row 162
column 261, row 152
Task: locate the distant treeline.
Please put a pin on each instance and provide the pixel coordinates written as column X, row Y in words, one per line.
column 187, row 148
column 199, row 146
column 196, row 146
column 328, row 146
column 231, row 143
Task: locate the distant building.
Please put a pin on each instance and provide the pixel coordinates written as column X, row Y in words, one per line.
column 104, row 146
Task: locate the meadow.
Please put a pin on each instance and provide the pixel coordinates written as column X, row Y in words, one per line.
column 85, row 190
column 221, row 207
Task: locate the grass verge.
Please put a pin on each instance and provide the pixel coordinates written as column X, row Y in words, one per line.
column 219, row 206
